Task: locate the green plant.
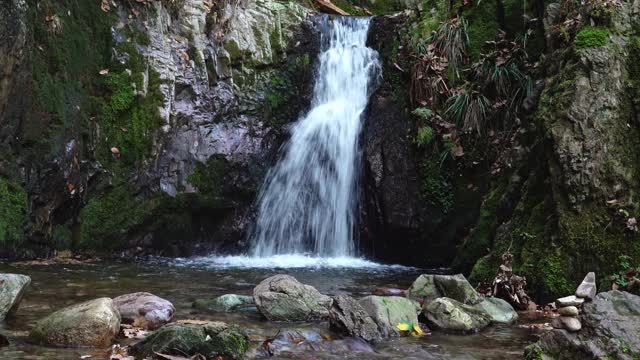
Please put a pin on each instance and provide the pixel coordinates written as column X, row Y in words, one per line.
column 452, row 40
column 424, row 135
column 590, row 36
column 424, row 113
column 628, row 276
column 13, row 213
column 469, row 109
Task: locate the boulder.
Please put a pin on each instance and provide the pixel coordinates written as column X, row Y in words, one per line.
column 569, row 311
column 12, row 288
column 569, row 301
column 226, row 303
column 451, row 315
column 427, row 288
column 210, row 340
column 610, row 326
column 587, row 288
column 348, row 317
column 389, row 311
column 283, row 298
column 93, row 323
column 499, row 310
column 144, row 310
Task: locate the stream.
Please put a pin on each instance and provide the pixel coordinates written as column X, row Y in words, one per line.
column 181, row 281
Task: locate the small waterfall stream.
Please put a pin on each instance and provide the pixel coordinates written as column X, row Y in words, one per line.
column 307, row 203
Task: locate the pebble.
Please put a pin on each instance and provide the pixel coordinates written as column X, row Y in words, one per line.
column 568, row 311
column 587, row 288
column 570, row 323
column 569, row 301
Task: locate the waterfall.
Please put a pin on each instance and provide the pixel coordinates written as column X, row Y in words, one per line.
column 307, row 202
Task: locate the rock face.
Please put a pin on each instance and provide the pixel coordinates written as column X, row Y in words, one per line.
column 587, row 288
column 348, row 317
column 389, row 311
column 144, row 310
column 283, row 298
column 430, row 287
column 226, row 303
column 610, row 326
column 12, row 288
column 93, row 323
column 499, row 310
column 210, row 340
column 451, row 315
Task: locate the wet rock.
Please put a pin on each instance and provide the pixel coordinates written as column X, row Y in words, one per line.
column 389, row 292
column 587, row 288
column 568, row 311
column 3, row 341
column 144, row 310
column 430, row 287
column 451, row 315
column 610, row 326
column 569, row 301
column 12, row 288
column 348, row 317
column 283, row 298
column 388, row 311
column 210, row 340
column 306, row 343
column 499, row 310
column 93, row 323
column 226, row 303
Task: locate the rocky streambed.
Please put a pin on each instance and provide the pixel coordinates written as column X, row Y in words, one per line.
column 298, row 301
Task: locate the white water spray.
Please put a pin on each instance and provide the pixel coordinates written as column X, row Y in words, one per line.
column 307, row 203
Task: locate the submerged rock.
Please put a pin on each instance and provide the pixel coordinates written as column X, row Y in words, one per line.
column 210, row 340
column 451, row 315
column 283, row 298
column 12, row 288
column 499, row 310
column 609, row 331
column 144, row 310
column 305, row 343
column 587, row 288
column 389, row 311
column 226, row 303
column 348, row 317
column 427, row 288
column 93, row 323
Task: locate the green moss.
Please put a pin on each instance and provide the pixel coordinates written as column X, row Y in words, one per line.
column 208, row 177
column 483, row 26
column 484, row 270
column 424, row 136
column 13, row 213
column 436, row 187
column 590, row 36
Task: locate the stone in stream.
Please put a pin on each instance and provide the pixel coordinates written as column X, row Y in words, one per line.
column 428, row 287
column 451, row 315
column 498, row 309
column 144, row 310
column 568, row 311
column 303, row 342
column 12, row 288
column 569, row 301
column 93, row 323
column 587, row 288
column 226, row 303
column 210, row 340
column 569, row 323
column 610, row 326
column 348, row 317
column 389, row 311
column 283, row 298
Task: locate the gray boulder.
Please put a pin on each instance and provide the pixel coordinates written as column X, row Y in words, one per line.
column 12, row 288
column 226, row 303
column 610, row 326
column 144, row 310
column 587, row 288
column 389, row 311
column 451, row 315
column 499, row 310
column 210, row 340
column 93, row 323
column 348, row 317
column 283, row 298
column 427, row 288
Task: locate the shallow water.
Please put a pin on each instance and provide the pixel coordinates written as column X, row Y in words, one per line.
column 182, row 281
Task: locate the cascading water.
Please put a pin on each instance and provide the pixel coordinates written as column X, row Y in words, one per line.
column 307, row 203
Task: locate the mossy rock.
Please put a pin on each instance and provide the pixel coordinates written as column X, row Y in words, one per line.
column 210, row 340
column 13, row 213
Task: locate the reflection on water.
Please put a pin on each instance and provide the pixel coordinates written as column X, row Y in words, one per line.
column 184, row 280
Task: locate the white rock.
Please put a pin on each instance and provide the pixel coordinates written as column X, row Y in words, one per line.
column 570, row 323
column 569, row 301
column 568, row 311
column 587, row 288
